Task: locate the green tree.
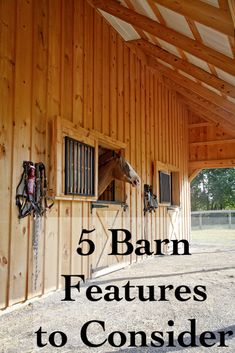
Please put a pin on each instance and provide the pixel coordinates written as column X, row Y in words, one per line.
column 213, row 189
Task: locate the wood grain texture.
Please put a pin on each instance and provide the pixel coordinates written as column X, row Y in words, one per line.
column 211, row 16
column 181, row 64
column 7, row 63
column 20, row 231
column 179, row 40
column 82, row 72
column 210, row 145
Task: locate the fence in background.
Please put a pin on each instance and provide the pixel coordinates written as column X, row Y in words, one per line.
column 213, row 219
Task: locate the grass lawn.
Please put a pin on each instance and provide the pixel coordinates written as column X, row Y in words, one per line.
column 219, row 238
column 213, row 234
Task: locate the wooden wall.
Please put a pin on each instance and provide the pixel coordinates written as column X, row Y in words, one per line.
column 210, row 145
column 61, row 58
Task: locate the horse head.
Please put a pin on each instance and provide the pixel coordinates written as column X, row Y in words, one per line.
column 116, row 167
column 124, row 171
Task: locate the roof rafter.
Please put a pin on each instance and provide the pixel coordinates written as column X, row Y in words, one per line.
column 200, row 108
column 203, row 108
column 193, row 173
column 211, row 16
column 212, row 163
column 231, row 4
column 191, row 85
column 202, row 51
column 223, row 4
column 185, row 66
column 212, row 142
column 162, row 22
column 199, row 125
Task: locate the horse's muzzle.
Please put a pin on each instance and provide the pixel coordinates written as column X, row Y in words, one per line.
column 136, row 182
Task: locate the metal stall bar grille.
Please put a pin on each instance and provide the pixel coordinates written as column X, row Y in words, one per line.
column 165, row 187
column 79, row 168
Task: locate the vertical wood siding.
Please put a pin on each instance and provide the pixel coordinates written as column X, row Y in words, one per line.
column 60, row 57
column 208, row 142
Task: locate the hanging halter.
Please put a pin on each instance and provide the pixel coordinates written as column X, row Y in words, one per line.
column 31, row 192
column 150, row 200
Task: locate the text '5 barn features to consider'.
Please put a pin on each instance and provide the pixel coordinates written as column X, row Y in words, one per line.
column 121, row 245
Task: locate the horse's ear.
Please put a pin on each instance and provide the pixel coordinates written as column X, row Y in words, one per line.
column 119, row 153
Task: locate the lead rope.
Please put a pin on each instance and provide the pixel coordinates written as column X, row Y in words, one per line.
column 39, row 194
column 36, row 234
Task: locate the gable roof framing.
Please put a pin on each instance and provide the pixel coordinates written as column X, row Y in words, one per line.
column 225, row 118
column 200, row 108
column 194, row 56
column 202, row 12
column 190, row 85
column 169, row 35
column 185, row 66
column 231, row 4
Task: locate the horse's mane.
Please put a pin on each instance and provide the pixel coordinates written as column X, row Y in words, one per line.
column 106, row 161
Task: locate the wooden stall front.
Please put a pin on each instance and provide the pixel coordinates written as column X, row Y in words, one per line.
column 66, row 71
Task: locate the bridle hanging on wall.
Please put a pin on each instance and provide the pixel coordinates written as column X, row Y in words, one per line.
column 31, row 198
column 150, row 200
column 31, row 192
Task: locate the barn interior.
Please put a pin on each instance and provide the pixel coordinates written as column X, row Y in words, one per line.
column 150, row 80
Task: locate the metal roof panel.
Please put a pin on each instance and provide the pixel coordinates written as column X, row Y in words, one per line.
column 126, row 30
column 212, row 2
column 187, row 75
column 214, row 39
column 225, row 76
column 198, row 62
column 168, row 47
column 211, row 88
column 142, row 7
column 165, row 63
column 231, row 99
column 175, row 21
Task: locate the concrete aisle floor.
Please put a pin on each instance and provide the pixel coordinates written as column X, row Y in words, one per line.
column 213, row 269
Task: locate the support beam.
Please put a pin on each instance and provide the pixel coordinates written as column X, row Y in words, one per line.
column 193, row 174
column 199, row 125
column 207, row 109
column 195, row 87
column 231, row 4
column 223, row 4
column 185, row 66
column 169, row 35
column 200, row 108
column 212, row 143
column 212, row 164
column 199, row 11
column 218, row 115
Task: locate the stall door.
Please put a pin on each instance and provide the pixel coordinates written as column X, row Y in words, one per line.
column 104, row 218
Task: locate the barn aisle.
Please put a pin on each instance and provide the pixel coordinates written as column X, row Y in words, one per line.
column 215, row 270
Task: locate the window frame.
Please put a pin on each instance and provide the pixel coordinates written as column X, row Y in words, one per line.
column 61, row 128
column 170, row 187
column 175, row 182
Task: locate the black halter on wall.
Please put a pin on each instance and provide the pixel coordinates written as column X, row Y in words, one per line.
column 150, row 200
column 31, row 192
